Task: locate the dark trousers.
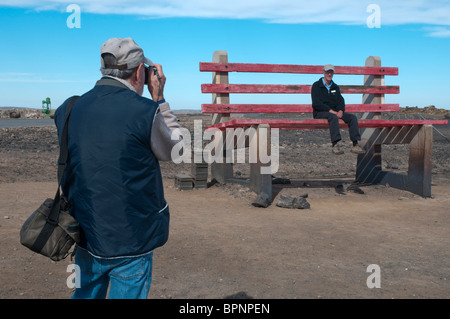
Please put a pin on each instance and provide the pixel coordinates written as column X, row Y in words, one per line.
column 350, row 119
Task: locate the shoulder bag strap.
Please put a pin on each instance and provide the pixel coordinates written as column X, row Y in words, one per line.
column 53, row 217
column 62, row 161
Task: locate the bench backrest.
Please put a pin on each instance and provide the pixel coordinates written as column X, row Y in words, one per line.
column 373, row 89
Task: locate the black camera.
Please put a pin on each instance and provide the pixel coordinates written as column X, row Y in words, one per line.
column 147, row 76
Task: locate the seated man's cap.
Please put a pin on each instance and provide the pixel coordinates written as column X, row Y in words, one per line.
column 328, row 67
column 128, row 54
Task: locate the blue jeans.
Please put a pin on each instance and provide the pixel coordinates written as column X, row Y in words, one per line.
column 129, row 278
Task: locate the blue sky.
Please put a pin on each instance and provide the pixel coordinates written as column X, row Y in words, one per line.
column 42, row 57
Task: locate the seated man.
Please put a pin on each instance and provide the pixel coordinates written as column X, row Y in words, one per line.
column 328, row 103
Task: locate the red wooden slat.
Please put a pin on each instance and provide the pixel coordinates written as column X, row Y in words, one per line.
column 255, row 88
column 292, row 108
column 369, row 89
column 291, row 68
column 284, row 124
column 320, row 124
column 392, row 123
column 293, row 88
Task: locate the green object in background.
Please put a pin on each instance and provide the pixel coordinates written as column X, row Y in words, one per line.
column 46, row 106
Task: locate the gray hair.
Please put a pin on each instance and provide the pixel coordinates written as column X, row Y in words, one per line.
column 110, row 59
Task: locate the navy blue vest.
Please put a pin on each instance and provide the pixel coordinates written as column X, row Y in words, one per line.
column 113, row 180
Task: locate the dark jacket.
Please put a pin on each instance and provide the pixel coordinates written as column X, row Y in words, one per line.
column 323, row 101
column 113, row 180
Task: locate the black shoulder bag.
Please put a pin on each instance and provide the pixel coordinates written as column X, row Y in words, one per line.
column 51, row 230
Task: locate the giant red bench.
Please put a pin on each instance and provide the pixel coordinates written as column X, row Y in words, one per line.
column 376, row 131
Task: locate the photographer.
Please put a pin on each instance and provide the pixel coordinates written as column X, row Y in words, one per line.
column 113, row 180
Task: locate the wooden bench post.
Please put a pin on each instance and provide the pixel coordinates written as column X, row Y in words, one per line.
column 221, row 171
column 261, row 183
column 369, row 165
column 419, row 169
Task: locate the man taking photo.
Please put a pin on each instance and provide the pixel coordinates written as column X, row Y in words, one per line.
column 113, row 182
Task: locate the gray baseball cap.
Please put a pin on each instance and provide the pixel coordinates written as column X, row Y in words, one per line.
column 128, row 54
column 328, row 67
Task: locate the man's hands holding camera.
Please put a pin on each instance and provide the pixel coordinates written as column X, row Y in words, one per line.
column 157, row 81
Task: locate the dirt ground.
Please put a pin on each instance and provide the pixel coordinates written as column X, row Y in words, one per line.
column 220, row 246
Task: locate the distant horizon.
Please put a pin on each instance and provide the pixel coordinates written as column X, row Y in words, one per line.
column 199, row 110
column 40, row 108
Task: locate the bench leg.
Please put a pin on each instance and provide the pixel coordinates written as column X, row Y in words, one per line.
column 419, row 169
column 369, row 167
column 261, row 183
column 418, row 179
column 221, row 172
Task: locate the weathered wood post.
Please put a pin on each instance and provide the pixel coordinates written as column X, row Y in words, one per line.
column 369, row 165
column 261, row 182
column 419, row 168
column 221, row 171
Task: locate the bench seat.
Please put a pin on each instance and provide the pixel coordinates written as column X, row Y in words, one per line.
column 287, row 124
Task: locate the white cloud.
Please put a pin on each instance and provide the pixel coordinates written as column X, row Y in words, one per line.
column 438, row 32
column 392, row 12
